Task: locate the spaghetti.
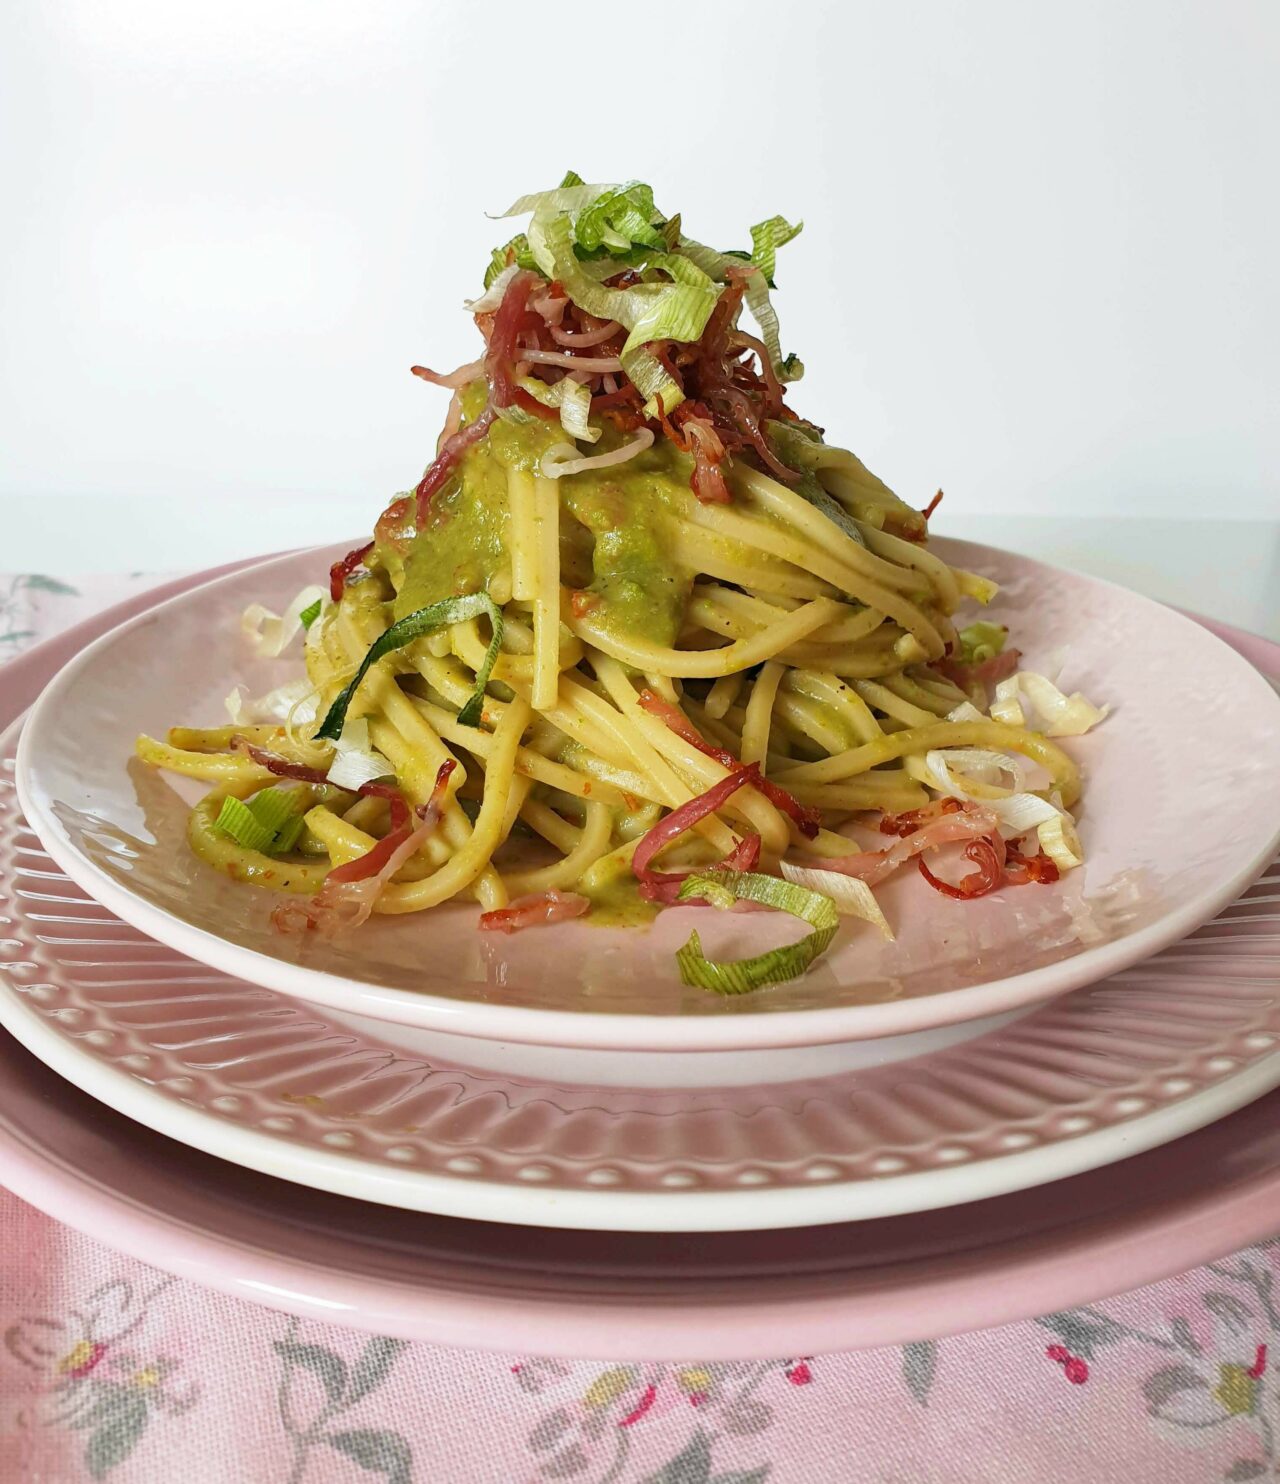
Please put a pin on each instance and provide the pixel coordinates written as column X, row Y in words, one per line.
column 635, row 607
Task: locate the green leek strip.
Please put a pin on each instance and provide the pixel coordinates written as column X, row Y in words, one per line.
column 722, row 889
column 648, row 311
column 980, row 641
column 413, row 626
column 767, row 238
column 717, row 264
column 518, row 248
column 619, row 218
column 270, row 822
column 310, row 613
column 289, row 834
column 276, row 808
column 236, row 819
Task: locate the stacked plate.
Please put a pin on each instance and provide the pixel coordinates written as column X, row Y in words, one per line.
column 547, row 1143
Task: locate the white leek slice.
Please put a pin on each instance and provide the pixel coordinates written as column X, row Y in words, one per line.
column 269, row 632
column 573, row 398
column 1060, row 842
column 1067, row 716
column 1007, row 706
column 235, row 707
column 492, row 296
column 356, row 761
column 1021, row 813
column 977, row 765
column 296, row 702
column 852, row 898
column 1015, row 807
column 562, row 459
column 965, row 711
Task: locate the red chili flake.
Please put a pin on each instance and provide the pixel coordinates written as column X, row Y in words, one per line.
column 932, row 505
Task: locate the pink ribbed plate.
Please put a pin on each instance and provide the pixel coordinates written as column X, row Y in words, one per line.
column 727, row 1296
column 1182, row 810
column 548, row 1292
column 254, row 1077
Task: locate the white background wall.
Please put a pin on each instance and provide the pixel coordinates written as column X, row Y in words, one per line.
column 1039, row 264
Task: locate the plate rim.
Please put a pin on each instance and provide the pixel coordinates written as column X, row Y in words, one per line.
column 606, row 1209
column 892, row 1304
column 585, row 1029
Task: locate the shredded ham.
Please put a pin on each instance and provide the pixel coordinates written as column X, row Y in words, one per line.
column 663, row 886
column 447, row 460
column 455, row 380
column 510, row 320
column 594, row 364
column 396, row 526
column 998, row 864
column 552, row 305
column 740, row 337
column 586, row 338
column 807, row 820
column 968, row 822
column 343, row 569
column 274, row 763
column 537, row 910
column 453, row 418
column 986, row 673
column 987, row 853
column 350, row 891
column 1021, row 870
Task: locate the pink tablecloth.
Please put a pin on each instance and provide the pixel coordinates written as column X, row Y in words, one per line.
column 111, row 1370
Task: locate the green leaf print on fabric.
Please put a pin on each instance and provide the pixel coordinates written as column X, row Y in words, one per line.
column 37, row 582
column 692, row 1465
column 331, row 1368
column 373, row 1367
column 378, row 1450
column 122, row 1416
column 919, row 1368
column 96, row 1374
column 1245, row 1468
column 1084, row 1331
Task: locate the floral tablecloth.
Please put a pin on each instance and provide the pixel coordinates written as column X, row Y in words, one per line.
column 111, row 1370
